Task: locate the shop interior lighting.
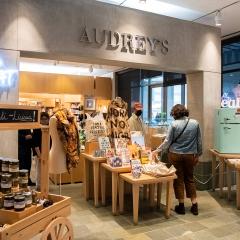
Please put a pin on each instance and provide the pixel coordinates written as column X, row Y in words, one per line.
column 218, row 18
column 57, row 67
column 91, row 68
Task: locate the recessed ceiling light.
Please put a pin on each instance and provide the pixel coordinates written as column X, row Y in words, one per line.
column 142, row 1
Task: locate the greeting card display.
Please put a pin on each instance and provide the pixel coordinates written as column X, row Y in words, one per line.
column 115, row 161
column 104, row 143
column 125, row 155
column 120, row 143
column 99, row 153
column 138, row 139
column 109, row 153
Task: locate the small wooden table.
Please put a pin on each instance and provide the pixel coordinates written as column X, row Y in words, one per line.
column 143, row 180
column 96, row 179
column 235, row 167
column 222, row 159
column 115, row 179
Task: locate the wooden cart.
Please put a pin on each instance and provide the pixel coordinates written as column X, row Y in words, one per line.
column 50, row 221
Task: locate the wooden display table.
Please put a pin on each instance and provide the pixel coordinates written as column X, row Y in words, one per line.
column 96, row 176
column 115, row 179
column 233, row 167
column 143, row 180
column 221, row 157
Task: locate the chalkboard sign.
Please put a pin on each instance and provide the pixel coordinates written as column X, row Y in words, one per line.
column 18, row 115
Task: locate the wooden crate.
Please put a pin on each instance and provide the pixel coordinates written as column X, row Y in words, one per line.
column 11, row 216
column 35, row 223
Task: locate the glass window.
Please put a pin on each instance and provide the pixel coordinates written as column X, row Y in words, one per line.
column 231, row 69
column 145, row 97
column 174, row 96
column 156, row 80
column 156, row 104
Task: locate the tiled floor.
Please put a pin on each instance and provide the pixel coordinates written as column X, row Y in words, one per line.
column 218, row 219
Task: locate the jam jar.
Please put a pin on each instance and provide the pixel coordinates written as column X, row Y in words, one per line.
column 1, row 201
column 19, row 202
column 14, row 167
column 8, row 202
column 28, row 198
column 6, row 183
column 0, row 164
column 5, row 165
column 15, row 182
column 23, row 178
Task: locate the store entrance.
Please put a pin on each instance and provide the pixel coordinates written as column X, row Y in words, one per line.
column 78, row 87
column 85, row 88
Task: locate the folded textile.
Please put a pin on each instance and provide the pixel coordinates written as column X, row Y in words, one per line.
column 158, row 169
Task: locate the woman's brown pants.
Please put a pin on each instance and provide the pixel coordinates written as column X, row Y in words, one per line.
column 184, row 164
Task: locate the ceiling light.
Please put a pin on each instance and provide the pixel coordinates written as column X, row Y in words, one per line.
column 91, row 68
column 218, row 18
column 142, row 1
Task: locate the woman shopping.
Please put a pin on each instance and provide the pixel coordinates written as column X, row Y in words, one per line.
column 184, row 145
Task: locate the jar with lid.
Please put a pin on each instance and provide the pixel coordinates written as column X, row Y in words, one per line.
column 19, row 202
column 8, row 202
column 15, row 182
column 14, row 167
column 5, row 165
column 6, row 183
column 34, row 197
column 1, row 201
column 0, row 164
column 23, row 178
column 28, row 198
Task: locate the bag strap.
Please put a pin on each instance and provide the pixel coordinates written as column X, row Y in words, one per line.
column 180, row 134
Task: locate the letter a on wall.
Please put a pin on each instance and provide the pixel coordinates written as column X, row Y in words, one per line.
column 84, row 36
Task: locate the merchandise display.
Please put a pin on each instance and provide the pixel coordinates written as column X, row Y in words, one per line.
column 21, row 209
column 57, row 155
column 120, row 143
column 158, row 169
column 95, row 127
column 137, row 139
column 99, row 153
column 11, row 177
column 104, row 143
column 117, row 116
column 136, row 168
column 69, row 136
column 115, row 161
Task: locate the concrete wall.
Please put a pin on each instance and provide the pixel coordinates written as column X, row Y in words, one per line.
column 54, row 28
column 8, row 95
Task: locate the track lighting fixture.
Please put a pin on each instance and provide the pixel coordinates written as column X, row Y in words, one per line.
column 91, row 68
column 218, row 18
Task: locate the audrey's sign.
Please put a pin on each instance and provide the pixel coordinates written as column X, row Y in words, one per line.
column 126, row 42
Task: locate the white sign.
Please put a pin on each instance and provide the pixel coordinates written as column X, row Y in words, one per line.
column 230, row 103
